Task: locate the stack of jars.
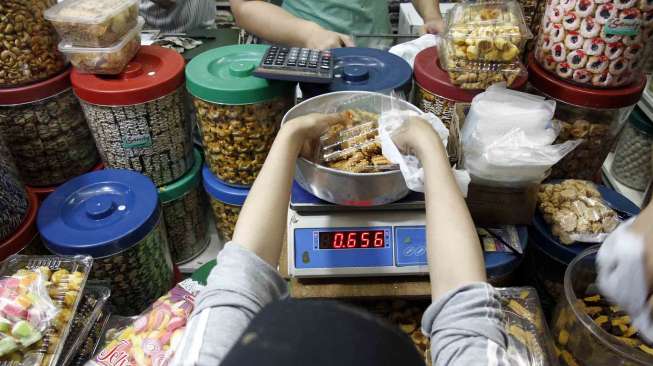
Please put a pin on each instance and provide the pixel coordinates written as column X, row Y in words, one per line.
column 589, row 56
column 139, row 123
column 46, row 140
column 98, row 37
column 239, row 116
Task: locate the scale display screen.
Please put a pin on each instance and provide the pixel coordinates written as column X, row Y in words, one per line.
column 368, row 239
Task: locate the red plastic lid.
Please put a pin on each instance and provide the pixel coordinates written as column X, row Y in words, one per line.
column 26, row 231
column 563, row 91
column 38, row 91
column 154, row 72
column 430, row 76
column 43, row 192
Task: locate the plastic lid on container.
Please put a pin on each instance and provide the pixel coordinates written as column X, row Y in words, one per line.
column 221, row 191
column 35, row 92
column 566, row 92
column 549, row 243
column 501, row 264
column 154, row 73
column 25, row 232
column 224, row 75
column 641, row 121
column 367, row 69
column 99, row 214
column 181, row 186
column 430, row 76
column 86, row 11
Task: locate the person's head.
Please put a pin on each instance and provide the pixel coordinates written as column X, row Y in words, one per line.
column 321, row 333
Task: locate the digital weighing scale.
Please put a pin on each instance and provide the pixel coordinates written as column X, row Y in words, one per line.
column 327, row 240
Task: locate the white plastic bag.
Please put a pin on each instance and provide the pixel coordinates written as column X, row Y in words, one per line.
column 507, row 138
column 409, row 50
column 411, row 168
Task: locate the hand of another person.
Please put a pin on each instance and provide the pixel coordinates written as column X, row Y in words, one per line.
column 417, row 137
column 322, row 39
column 433, row 26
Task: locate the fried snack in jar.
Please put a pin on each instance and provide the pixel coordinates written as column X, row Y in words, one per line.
column 238, row 113
column 45, row 128
column 92, row 23
column 106, row 61
column 632, row 164
column 28, row 43
column 226, row 202
column 483, row 44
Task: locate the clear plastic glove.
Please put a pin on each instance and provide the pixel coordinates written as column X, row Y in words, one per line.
column 391, row 123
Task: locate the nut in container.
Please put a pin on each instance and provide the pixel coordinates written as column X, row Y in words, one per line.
column 65, row 278
column 92, row 23
column 483, row 44
column 108, row 60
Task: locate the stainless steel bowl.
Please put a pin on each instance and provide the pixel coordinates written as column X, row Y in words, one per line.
column 344, row 188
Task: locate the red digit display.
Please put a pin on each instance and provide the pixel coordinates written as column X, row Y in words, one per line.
column 372, row 239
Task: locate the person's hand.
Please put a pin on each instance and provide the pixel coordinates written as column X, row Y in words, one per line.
column 308, row 128
column 433, row 26
column 322, row 39
column 417, row 137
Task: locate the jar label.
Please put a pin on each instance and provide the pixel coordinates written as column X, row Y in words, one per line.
column 622, row 27
column 133, row 142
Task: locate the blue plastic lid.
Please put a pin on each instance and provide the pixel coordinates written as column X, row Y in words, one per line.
column 221, row 191
column 364, row 69
column 500, row 264
column 549, row 243
column 99, row 213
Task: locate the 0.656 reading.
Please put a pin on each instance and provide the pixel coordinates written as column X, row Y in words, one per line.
column 372, row 239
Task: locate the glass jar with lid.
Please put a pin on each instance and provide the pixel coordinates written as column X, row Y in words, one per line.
column 633, row 157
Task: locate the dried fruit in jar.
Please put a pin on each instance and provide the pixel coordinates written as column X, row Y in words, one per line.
column 28, row 43
column 237, row 138
column 92, row 23
column 576, row 211
column 226, row 217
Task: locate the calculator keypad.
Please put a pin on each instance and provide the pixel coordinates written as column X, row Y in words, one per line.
column 299, row 64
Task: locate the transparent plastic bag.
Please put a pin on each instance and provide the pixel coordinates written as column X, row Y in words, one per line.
column 529, row 340
column 576, row 212
column 507, row 138
column 152, row 337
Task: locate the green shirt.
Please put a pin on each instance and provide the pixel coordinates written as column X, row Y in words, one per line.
column 344, row 16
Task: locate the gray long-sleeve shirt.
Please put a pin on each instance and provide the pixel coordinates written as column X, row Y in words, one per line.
column 464, row 324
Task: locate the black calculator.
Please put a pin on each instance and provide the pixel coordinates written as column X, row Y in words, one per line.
column 296, row 64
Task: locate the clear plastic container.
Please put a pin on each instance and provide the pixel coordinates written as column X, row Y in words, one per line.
column 226, row 202
column 66, row 280
column 45, row 128
column 633, row 161
column 28, row 47
column 483, row 44
column 14, row 202
column 106, row 61
column 578, row 337
column 596, row 116
column 597, row 44
column 92, row 23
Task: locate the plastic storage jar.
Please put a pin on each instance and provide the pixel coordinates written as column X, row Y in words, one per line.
column 138, row 117
column 45, row 128
column 366, row 69
column 115, row 217
column 185, row 211
column 14, row 202
column 238, row 114
column 107, row 60
column 578, row 337
column 633, row 155
column 43, row 192
column 92, row 23
column 594, row 115
column 28, row 50
column 226, row 202
column 548, row 258
column 25, row 238
column 597, row 44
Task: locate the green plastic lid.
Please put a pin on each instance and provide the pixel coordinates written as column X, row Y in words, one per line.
column 188, row 181
column 224, row 75
column 641, row 121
